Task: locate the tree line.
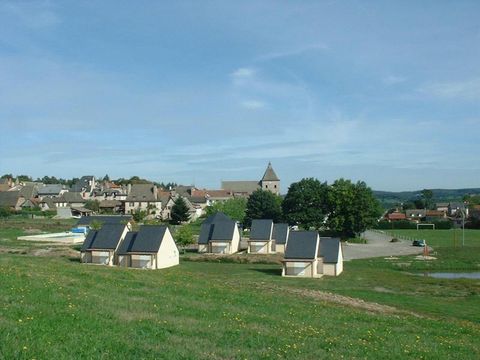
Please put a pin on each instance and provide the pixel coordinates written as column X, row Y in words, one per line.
column 343, row 208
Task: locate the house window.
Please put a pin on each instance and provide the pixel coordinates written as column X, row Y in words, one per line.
column 275, row 186
column 132, row 204
column 266, row 186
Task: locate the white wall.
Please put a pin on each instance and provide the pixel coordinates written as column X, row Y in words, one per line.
column 167, row 255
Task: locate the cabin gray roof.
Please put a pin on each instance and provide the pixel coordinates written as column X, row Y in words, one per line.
column 105, row 238
column 148, row 239
column 302, row 245
column 329, row 249
column 261, row 229
column 143, row 192
column 270, row 174
column 126, row 245
column 104, row 219
column 50, row 189
column 280, row 233
column 205, row 233
column 87, row 243
column 223, row 230
column 219, row 216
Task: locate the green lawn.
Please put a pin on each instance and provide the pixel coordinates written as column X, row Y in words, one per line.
column 55, row 307
column 448, row 238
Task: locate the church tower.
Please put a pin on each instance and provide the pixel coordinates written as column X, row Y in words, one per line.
column 270, row 180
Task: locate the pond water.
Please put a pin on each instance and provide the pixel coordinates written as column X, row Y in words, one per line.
column 451, row 275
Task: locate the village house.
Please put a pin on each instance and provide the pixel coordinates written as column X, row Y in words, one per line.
column 270, row 182
column 51, row 191
column 261, row 237
column 395, row 216
column 143, row 197
column 416, row 215
column 280, row 237
column 100, row 246
column 12, row 200
column 85, row 186
column 308, row 255
column 152, row 247
column 104, row 219
column 69, row 199
column 219, row 235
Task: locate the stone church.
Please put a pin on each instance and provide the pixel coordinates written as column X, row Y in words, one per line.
column 269, row 182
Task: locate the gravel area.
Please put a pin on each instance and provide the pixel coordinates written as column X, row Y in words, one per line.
column 378, row 244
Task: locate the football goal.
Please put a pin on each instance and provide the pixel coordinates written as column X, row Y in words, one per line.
column 419, row 226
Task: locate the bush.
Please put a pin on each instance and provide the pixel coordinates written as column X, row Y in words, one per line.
column 401, row 224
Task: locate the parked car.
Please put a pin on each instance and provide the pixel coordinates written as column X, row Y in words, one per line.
column 420, row 243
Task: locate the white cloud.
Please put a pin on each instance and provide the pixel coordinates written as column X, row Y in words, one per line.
column 292, row 52
column 253, row 104
column 468, row 89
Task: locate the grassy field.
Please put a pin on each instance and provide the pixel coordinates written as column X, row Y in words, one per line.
column 51, row 306
column 445, row 238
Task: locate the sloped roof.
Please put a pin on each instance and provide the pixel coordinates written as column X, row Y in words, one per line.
column 261, row 229
column 105, row 238
column 50, row 189
column 87, row 243
column 240, row 186
column 206, row 231
column 70, row 197
column 217, row 227
column 109, row 203
column 302, row 245
column 127, row 243
column 108, row 236
column 329, row 249
column 104, row 219
column 148, row 239
column 270, row 174
column 9, row 198
column 142, row 192
column 219, row 216
column 280, row 233
column 28, row 191
column 223, row 230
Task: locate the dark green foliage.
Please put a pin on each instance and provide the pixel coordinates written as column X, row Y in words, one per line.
column 180, row 211
column 235, row 208
column 400, row 224
column 352, row 208
column 5, row 212
column 138, row 215
column 96, row 225
column 263, row 205
column 306, row 203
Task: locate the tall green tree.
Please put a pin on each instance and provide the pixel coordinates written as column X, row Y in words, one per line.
column 306, row 203
column 180, row 211
column 184, row 237
column 234, row 208
column 427, row 196
column 263, row 204
column 352, row 208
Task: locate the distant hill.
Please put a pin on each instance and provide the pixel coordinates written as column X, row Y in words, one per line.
column 390, row 198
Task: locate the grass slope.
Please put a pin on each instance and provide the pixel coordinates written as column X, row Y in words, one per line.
column 55, row 307
column 440, row 238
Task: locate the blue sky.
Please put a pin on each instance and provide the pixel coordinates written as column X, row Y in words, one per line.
column 199, row 92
